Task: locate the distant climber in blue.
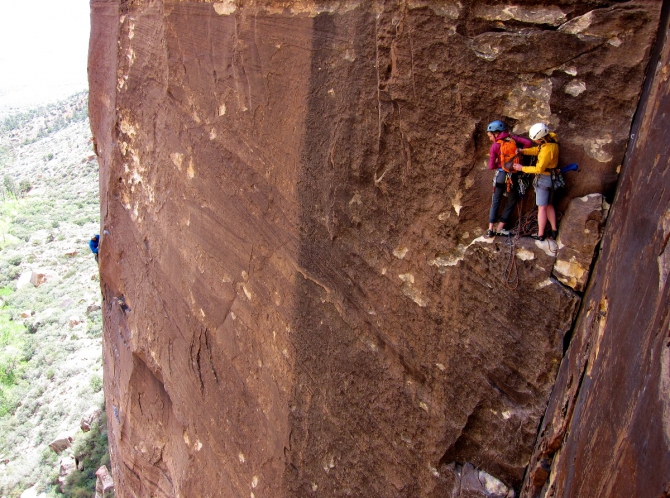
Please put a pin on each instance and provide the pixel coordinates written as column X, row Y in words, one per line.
column 93, row 244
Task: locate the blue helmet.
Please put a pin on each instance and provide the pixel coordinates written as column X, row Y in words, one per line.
column 496, row 126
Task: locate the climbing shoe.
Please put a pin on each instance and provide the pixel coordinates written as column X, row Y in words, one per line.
column 490, row 234
column 553, row 234
column 504, row 233
column 537, row 237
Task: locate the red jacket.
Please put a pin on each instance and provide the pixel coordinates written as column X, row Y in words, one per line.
column 494, row 151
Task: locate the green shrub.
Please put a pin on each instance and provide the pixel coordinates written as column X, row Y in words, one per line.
column 91, row 449
column 94, row 324
column 24, row 187
column 96, row 383
column 9, row 185
column 6, row 156
column 10, row 399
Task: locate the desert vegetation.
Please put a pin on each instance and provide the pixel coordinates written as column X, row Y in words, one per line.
column 50, row 318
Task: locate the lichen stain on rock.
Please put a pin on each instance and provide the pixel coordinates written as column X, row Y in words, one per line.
column 664, row 390
column 445, row 8
column 578, row 25
column 601, row 319
column 225, row 8
column 595, row 148
column 529, row 102
column 551, row 15
column 575, row 88
column 569, row 272
column 524, row 254
column 177, row 159
column 400, row 252
column 190, row 171
column 309, row 8
column 664, row 256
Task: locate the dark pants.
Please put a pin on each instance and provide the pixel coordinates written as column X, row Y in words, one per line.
column 498, row 192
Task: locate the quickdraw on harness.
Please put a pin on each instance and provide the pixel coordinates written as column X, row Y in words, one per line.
column 523, row 182
column 509, row 182
column 508, row 158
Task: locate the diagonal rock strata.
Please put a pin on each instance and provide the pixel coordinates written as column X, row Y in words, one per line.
column 297, row 299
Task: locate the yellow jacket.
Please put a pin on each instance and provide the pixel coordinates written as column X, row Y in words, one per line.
column 547, row 157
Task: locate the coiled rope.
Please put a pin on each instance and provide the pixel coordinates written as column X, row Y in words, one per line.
column 526, row 225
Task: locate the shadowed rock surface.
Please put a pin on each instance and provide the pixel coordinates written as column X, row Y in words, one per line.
column 297, row 297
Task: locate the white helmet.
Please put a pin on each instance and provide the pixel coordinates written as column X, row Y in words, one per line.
column 538, row 131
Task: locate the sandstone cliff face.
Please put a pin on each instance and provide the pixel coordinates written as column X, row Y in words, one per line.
column 297, row 297
column 607, row 428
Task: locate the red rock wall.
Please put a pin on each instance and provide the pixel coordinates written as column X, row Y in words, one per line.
column 296, row 297
column 607, row 429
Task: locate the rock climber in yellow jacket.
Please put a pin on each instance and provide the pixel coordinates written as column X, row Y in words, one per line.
column 547, row 159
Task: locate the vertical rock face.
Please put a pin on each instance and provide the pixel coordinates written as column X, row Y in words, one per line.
column 607, row 428
column 297, row 299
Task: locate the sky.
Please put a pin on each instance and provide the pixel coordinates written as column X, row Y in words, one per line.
column 43, row 51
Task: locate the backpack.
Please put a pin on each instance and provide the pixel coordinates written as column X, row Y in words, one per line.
column 508, row 155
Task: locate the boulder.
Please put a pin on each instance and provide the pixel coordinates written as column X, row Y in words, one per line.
column 92, row 307
column 89, row 418
column 37, row 278
column 467, row 481
column 103, row 483
column 66, row 303
column 580, row 232
column 61, row 442
column 32, row 492
column 24, row 279
column 67, row 465
column 31, row 277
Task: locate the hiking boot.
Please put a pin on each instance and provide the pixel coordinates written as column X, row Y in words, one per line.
column 504, row 233
column 490, row 234
column 537, row 237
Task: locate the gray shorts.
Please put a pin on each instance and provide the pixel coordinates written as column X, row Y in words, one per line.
column 543, row 190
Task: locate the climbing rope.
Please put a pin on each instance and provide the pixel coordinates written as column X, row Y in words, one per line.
column 525, row 226
column 511, row 273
